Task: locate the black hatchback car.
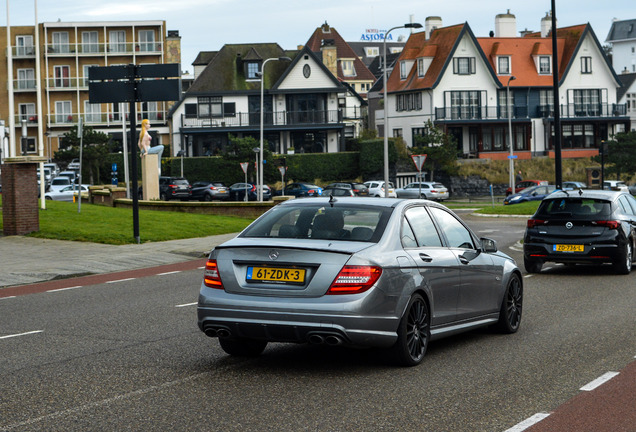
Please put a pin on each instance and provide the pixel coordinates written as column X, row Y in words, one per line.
column 582, row 227
column 174, row 188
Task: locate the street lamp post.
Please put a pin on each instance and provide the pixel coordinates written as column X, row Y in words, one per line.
column 259, row 182
column 512, row 160
column 386, row 106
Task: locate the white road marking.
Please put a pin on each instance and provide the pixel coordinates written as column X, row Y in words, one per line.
column 186, row 304
column 201, row 268
column 4, row 298
column 168, row 273
column 21, row 334
column 528, row 276
column 599, row 381
column 65, row 289
column 120, row 280
column 530, row 421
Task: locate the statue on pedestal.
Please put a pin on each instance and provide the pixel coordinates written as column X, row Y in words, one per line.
column 144, row 143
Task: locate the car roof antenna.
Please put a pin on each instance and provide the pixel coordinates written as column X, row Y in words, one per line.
column 332, row 200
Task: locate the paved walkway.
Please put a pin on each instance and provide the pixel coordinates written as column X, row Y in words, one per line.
column 26, row 260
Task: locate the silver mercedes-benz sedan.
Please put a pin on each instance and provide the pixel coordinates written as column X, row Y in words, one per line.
column 362, row 272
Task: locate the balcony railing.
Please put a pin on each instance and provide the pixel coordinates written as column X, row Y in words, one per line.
column 24, row 85
column 24, row 52
column 467, row 113
column 283, row 118
column 584, row 110
column 101, row 48
column 101, row 119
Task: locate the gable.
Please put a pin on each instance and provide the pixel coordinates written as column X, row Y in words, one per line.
column 307, row 73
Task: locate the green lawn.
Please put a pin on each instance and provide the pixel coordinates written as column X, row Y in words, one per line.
column 99, row 224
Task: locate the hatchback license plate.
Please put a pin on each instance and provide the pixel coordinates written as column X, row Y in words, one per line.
column 274, row 274
column 568, row 248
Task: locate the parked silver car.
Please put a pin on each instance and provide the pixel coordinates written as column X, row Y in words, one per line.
column 67, row 193
column 389, row 273
column 429, row 190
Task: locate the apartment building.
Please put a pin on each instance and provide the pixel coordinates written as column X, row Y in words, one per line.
column 67, row 50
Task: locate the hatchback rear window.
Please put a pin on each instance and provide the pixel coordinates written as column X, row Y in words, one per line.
column 320, row 222
column 578, row 208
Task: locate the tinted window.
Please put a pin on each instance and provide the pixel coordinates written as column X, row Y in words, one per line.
column 423, row 227
column 573, row 207
column 317, row 221
column 627, row 208
column 456, row 233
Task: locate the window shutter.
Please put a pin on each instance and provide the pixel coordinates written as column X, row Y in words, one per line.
column 473, row 67
column 455, row 66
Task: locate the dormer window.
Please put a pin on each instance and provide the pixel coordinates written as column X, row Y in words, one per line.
column 420, row 67
column 252, row 70
column 503, row 65
column 545, row 65
column 347, row 68
column 403, row 70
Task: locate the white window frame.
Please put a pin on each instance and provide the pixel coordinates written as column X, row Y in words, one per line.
column 26, row 79
column 348, row 69
column 503, row 65
column 92, row 112
column 60, row 42
column 403, row 71
column 90, row 42
column 27, row 111
column 117, row 41
column 24, row 45
column 540, row 68
column 146, row 41
column 63, row 110
column 420, row 67
column 62, row 80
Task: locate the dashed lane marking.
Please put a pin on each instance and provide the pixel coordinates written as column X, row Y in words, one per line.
column 186, row 305
column 120, row 280
column 169, row 273
column 530, row 421
column 21, row 334
column 65, row 289
column 599, row 381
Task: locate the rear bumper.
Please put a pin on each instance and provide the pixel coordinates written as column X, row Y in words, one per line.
column 593, row 253
column 297, row 319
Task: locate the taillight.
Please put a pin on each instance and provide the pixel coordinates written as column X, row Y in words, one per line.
column 211, row 276
column 253, row 188
column 311, row 191
column 212, row 188
column 354, row 279
column 535, row 222
column 612, row 224
column 433, row 191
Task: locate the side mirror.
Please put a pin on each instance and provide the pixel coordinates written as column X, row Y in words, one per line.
column 488, row 245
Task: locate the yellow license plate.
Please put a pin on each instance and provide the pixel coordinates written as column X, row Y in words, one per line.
column 568, row 248
column 275, row 274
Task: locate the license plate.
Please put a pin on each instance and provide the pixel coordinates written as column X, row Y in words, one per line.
column 568, row 248
column 275, row 274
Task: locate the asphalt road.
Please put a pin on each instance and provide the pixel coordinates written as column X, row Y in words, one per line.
column 127, row 355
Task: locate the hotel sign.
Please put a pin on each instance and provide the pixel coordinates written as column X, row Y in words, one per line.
column 375, row 35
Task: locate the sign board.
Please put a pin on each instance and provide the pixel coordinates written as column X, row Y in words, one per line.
column 134, row 83
column 512, row 156
column 282, row 170
column 418, row 160
column 244, row 166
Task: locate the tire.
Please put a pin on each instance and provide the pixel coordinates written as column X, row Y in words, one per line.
column 532, row 266
column 414, row 333
column 511, row 306
column 624, row 264
column 207, row 197
column 164, row 197
column 48, row 198
column 242, row 347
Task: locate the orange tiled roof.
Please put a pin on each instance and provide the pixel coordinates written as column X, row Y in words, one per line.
column 439, row 46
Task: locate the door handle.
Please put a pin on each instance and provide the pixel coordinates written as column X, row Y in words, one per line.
column 463, row 259
column 425, row 257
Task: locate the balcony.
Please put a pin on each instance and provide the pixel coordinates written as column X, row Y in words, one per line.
column 101, row 49
column 24, row 85
column 584, row 110
column 23, row 52
column 66, row 83
column 473, row 113
column 277, row 119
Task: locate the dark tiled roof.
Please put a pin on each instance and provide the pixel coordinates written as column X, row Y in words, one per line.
column 626, row 82
column 225, row 72
column 376, row 65
column 204, row 57
column 343, row 50
column 359, row 49
column 622, row 30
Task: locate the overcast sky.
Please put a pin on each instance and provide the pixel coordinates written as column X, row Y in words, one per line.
column 206, row 25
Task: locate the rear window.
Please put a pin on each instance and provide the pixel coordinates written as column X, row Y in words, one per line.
column 179, row 181
column 320, row 222
column 438, row 185
column 576, row 208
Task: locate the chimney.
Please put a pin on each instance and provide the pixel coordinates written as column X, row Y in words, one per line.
column 330, row 55
column 546, row 24
column 431, row 24
column 505, row 25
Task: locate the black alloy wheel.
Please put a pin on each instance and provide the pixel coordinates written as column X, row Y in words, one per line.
column 624, row 264
column 511, row 306
column 414, row 333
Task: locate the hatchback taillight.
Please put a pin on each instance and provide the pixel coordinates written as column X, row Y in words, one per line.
column 611, row 224
column 354, row 279
column 535, row 222
column 211, row 276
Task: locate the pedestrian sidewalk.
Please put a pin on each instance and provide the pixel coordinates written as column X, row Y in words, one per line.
column 26, row 260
